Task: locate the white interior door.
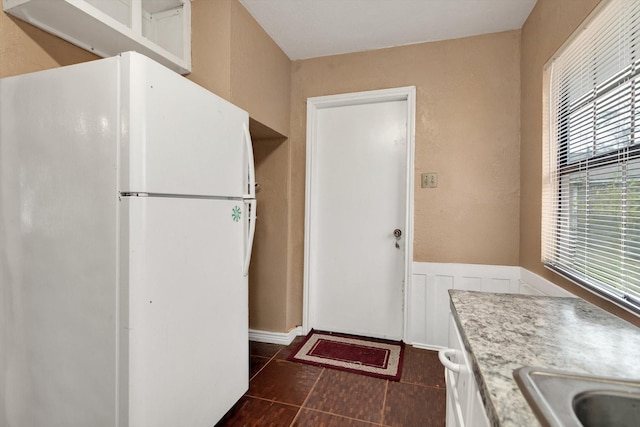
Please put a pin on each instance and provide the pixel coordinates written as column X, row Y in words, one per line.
column 359, row 150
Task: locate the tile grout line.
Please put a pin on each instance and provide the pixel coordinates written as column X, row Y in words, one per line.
column 259, row 370
column 443, row 387
column 297, row 415
column 263, row 366
column 333, row 414
column 271, row 400
column 384, row 401
column 307, row 398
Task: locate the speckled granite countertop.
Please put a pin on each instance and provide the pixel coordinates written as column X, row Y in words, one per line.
column 507, row 331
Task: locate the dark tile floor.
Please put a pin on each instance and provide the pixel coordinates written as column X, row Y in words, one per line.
column 284, row 394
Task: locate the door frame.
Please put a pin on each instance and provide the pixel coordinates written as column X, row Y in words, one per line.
column 314, row 104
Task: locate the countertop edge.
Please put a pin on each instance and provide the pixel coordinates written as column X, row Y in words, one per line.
column 477, row 374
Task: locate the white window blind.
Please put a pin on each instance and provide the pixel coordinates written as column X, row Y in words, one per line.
column 591, row 156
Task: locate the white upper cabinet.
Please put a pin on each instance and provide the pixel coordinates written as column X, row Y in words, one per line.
column 159, row 29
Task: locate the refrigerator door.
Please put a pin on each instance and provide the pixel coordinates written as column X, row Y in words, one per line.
column 59, row 246
column 182, row 139
column 188, row 309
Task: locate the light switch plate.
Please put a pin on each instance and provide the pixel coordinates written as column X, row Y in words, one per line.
column 429, row 180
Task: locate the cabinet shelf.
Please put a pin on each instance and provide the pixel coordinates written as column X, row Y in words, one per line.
column 159, row 29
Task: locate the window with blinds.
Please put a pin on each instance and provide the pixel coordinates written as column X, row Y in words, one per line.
column 591, row 170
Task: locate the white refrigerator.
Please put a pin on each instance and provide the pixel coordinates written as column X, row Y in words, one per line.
column 127, row 216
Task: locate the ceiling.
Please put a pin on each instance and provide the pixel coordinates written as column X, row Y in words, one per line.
column 312, row 28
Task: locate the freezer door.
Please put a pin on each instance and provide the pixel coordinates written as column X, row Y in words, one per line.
column 182, row 139
column 188, row 310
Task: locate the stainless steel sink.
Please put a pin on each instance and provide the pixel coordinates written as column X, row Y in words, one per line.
column 607, row 408
column 560, row 398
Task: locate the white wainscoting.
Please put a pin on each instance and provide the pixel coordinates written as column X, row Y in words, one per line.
column 540, row 285
column 428, row 308
column 428, row 298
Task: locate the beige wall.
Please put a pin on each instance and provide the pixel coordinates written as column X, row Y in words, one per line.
column 211, row 46
column 467, row 130
column 24, row 49
column 235, row 58
column 268, row 272
column 549, row 25
column 260, row 72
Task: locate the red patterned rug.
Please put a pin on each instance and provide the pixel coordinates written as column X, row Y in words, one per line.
column 361, row 355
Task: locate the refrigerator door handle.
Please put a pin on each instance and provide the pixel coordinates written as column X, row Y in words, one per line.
column 250, row 163
column 252, row 205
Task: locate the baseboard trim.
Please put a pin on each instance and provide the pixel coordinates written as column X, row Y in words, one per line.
column 427, row 346
column 283, row 338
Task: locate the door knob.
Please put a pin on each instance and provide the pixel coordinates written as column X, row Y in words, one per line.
column 397, row 233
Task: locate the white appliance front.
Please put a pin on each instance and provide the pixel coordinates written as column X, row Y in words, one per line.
column 58, row 160
column 179, row 138
column 187, row 302
column 72, row 278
